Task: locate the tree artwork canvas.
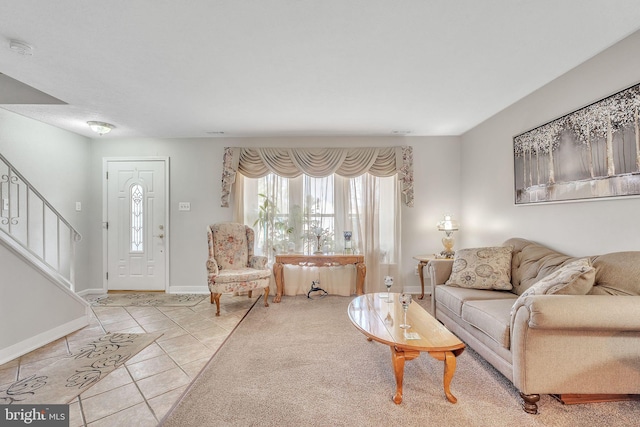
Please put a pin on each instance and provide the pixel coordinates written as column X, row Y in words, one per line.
column 593, row 152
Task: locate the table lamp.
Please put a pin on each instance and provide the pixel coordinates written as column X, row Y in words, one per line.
column 448, row 225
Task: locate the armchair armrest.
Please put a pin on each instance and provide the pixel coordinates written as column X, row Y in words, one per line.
column 212, row 267
column 439, row 270
column 259, row 262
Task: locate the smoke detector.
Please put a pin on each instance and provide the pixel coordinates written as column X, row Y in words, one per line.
column 20, row 47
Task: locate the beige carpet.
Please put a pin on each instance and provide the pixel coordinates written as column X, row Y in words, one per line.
column 65, row 379
column 302, row 363
column 143, row 299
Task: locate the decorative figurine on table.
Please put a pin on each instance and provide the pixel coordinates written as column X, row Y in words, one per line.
column 348, row 250
column 315, row 287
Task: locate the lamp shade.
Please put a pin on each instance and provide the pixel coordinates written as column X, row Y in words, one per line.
column 448, row 224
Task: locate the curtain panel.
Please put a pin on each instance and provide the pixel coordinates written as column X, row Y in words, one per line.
column 318, row 163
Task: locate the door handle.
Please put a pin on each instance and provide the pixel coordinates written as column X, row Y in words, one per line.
column 159, row 235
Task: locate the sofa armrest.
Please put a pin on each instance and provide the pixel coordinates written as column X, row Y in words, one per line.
column 439, row 270
column 581, row 312
column 576, row 344
column 259, row 262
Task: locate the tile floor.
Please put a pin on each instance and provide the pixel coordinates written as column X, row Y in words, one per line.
column 142, row 391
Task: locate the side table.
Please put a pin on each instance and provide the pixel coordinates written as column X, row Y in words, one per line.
column 423, row 260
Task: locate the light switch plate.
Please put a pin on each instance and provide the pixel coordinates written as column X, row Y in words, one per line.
column 184, row 206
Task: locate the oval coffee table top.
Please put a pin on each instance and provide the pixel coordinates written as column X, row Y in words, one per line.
column 379, row 319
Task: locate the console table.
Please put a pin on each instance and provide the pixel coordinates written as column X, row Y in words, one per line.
column 318, row 261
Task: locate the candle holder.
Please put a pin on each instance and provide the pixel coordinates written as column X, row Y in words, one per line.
column 388, row 282
column 318, row 233
column 405, row 300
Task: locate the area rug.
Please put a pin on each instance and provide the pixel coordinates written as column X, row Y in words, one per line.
column 302, row 363
column 65, row 379
column 143, row 299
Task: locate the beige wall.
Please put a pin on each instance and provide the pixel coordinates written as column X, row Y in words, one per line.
column 577, row 228
column 196, row 171
column 56, row 163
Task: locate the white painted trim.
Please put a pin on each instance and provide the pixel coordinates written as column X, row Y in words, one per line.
column 415, row 290
column 188, row 290
column 95, row 291
column 105, row 260
column 44, row 338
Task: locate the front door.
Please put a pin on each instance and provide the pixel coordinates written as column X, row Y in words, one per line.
column 136, row 225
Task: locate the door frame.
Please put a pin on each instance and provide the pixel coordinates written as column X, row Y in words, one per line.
column 167, row 234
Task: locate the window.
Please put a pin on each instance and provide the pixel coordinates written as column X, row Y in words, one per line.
column 288, row 214
column 137, row 202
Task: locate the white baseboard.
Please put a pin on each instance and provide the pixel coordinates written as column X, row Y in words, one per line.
column 413, row 289
column 172, row 290
column 189, row 290
column 96, row 291
column 44, row 338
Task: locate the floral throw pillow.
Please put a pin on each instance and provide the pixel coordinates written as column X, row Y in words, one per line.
column 482, row 268
column 575, row 278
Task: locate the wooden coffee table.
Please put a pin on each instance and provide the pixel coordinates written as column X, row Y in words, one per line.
column 380, row 321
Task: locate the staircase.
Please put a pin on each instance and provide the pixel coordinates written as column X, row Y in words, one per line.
column 35, row 237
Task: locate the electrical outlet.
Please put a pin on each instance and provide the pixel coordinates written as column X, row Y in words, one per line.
column 415, row 271
column 78, row 206
column 184, row 206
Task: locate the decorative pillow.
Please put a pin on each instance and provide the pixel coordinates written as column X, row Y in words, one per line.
column 575, row 278
column 482, row 268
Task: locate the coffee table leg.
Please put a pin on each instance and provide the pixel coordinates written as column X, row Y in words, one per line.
column 398, row 358
column 449, row 369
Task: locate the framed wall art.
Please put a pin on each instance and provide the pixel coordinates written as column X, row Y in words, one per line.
column 591, row 153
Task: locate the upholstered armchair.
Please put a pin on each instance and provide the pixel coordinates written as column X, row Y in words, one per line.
column 231, row 266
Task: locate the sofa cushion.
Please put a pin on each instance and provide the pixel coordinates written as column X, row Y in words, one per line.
column 617, row 274
column 241, row 275
column 482, row 268
column 491, row 317
column 452, row 298
column 532, row 262
column 574, row 278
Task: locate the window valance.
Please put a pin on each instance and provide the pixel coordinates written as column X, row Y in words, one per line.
column 318, row 162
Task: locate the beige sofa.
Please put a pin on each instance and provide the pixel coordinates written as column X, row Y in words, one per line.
column 568, row 345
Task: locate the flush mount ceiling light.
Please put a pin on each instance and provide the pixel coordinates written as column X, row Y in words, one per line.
column 101, row 127
column 20, row 47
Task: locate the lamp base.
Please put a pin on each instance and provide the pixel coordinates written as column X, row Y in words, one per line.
column 448, row 242
column 447, row 254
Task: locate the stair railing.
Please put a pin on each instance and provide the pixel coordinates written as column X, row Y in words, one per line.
column 28, row 220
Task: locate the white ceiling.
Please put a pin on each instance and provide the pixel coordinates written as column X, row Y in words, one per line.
column 174, row 68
